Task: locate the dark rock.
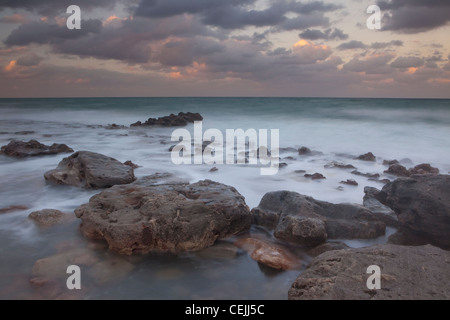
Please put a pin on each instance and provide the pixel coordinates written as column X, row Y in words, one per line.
column 398, row 170
column 90, row 170
column 390, row 162
column 368, row 175
column 282, row 165
column 146, row 217
column 372, row 203
column 304, row 151
column 367, row 157
column 306, row 221
column 115, row 127
column 350, row 182
column 424, row 168
column 338, row 165
column 33, row 148
column 422, row 204
column 131, row 164
column 214, row 169
column 172, row 120
column 407, row 273
column 328, row 246
column 383, row 181
column 46, row 217
column 315, row 176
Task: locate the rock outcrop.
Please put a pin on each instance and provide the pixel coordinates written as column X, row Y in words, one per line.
column 33, row 148
column 172, row 120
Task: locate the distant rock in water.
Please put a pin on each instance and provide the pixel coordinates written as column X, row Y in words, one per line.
column 367, row 157
column 33, row 148
column 407, row 273
column 172, row 120
column 338, row 165
column 306, row 221
column 315, row 176
column 165, row 216
column 90, row 170
column 350, row 182
column 390, row 162
column 422, row 169
column 398, row 170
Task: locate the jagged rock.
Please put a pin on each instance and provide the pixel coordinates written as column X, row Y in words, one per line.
column 33, row 148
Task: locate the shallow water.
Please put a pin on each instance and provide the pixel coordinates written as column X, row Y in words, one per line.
column 414, row 130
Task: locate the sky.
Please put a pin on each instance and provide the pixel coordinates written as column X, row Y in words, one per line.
column 261, row 48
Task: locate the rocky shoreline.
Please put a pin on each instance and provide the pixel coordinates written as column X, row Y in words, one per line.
column 162, row 213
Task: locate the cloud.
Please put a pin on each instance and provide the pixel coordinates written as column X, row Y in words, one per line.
column 375, row 64
column 414, row 16
column 407, row 62
column 384, row 45
column 329, row 34
column 29, row 60
column 354, row 44
column 14, row 18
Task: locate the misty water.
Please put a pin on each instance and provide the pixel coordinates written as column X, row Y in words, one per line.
column 412, row 131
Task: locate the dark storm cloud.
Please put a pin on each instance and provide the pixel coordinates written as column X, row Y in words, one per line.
column 46, row 33
column 414, row 16
column 329, row 34
column 49, row 7
column 29, row 60
column 354, row 44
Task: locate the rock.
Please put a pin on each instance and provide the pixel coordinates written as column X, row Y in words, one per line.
column 46, row 217
column 143, row 217
column 350, row 182
column 328, row 246
column 368, row 175
column 304, row 151
column 407, row 273
column 282, row 165
column 390, row 162
column 338, row 165
column 90, row 170
column 367, row 157
column 33, row 148
column 115, row 127
column 315, row 176
column 269, row 254
column 13, row 208
column 424, row 168
column 172, row 120
column 131, row 164
column 214, row 169
column 219, row 251
column 398, row 170
column 422, row 205
column 385, row 213
column 306, row 221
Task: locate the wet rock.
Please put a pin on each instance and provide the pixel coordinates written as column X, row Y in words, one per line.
column 115, row 127
column 219, row 251
column 367, row 175
column 143, row 217
column 172, row 120
column 131, row 164
column 339, row 165
column 304, row 151
column 90, row 170
column 295, row 216
column 282, row 165
column 32, row 148
column 367, row 157
column 407, row 273
column 269, row 254
column 390, row 162
column 315, row 176
column 13, row 208
column 422, row 205
column 350, row 182
column 372, row 203
column 328, row 246
column 424, row 168
column 46, row 217
column 398, row 170
column 214, row 169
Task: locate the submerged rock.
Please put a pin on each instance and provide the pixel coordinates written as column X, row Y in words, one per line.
column 339, row 165
column 90, row 170
column 407, row 273
column 46, row 217
column 12, row 209
column 146, row 217
column 33, row 148
column 306, row 221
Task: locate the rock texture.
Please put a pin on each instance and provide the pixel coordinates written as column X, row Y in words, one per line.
column 172, row 120
column 90, row 170
column 422, row 204
column 367, row 157
column 46, row 217
column 385, row 213
column 407, row 273
column 303, row 220
column 163, row 216
column 33, row 148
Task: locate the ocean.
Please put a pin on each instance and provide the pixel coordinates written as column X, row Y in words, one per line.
column 413, row 131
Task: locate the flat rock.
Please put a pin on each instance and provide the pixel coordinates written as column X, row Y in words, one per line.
column 46, row 217
column 143, row 217
column 33, row 148
column 90, row 170
column 407, row 273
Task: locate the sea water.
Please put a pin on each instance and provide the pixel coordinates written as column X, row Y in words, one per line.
column 411, row 131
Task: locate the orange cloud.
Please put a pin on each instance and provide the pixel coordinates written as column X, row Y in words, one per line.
column 309, row 53
column 10, row 65
column 412, row 70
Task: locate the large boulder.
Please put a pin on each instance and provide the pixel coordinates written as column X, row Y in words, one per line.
column 407, row 273
column 385, row 213
column 303, row 220
column 90, row 170
column 169, row 216
column 422, row 204
column 33, row 148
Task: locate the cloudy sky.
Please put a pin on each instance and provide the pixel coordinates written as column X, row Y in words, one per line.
column 225, row 48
